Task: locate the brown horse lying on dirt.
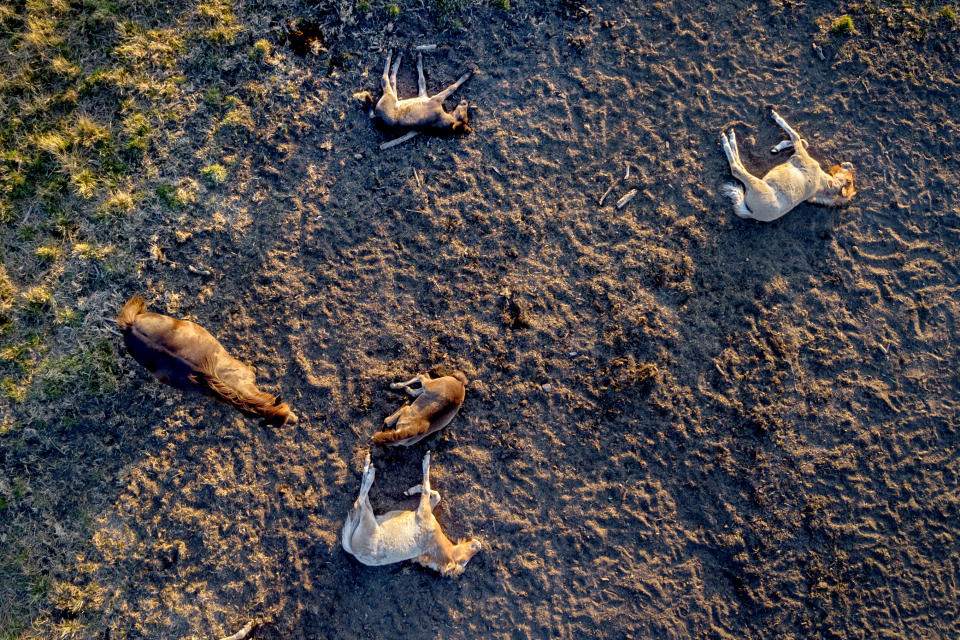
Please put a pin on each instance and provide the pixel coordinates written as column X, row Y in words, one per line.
column 423, row 113
column 184, row 355
column 437, row 403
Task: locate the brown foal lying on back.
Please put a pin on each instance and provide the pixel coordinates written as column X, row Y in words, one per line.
column 437, row 403
column 184, row 355
column 423, row 113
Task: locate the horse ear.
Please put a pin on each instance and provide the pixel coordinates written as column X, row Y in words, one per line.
column 365, row 98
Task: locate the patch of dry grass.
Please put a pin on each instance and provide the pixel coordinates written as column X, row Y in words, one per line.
column 77, row 83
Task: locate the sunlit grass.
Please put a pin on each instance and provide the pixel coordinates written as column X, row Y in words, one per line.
column 214, row 173
column 260, row 49
column 48, row 253
column 118, row 204
column 842, row 26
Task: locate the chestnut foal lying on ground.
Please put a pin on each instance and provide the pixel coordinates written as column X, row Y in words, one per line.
column 800, row 179
column 183, row 355
column 403, row 535
column 423, row 113
column 437, row 402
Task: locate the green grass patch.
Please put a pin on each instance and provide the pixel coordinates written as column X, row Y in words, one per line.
column 11, row 389
column 79, row 85
column 118, row 204
column 238, row 117
column 39, row 588
column 260, row 49
column 90, row 371
column 37, row 300
column 221, row 26
column 213, row 96
column 48, row 253
column 91, row 251
column 842, row 26
column 137, row 129
column 214, row 174
column 67, row 316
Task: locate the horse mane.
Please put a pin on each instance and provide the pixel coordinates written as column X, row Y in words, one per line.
column 133, row 308
column 252, row 403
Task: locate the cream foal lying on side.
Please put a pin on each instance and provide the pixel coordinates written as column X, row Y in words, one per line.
column 403, row 535
column 800, row 179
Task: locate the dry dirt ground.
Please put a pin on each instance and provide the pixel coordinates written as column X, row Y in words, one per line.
column 678, row 425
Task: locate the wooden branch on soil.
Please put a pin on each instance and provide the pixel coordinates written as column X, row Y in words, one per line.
column 243, row 633
column 622, row 202
column 399, row 141
column 607, row 192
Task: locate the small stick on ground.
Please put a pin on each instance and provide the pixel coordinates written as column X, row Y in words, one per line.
column 399, row 141
column 622, row 202
column 607, row 192
column 243, row 633
column 627, row 177
column 425, row 47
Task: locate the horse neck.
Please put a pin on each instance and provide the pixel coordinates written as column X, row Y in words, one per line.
column 438, row 552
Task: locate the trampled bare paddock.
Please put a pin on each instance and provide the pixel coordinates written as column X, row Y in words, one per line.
column 679, row 424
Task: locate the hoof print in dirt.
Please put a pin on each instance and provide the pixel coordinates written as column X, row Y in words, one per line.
column 626, row 373
column 578, row 43
column 573, row 10
column 516, row 312
column 165, row 557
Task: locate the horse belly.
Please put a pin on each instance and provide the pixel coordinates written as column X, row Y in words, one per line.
column 790, row 184
column 398, row 537
column 167, row 366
